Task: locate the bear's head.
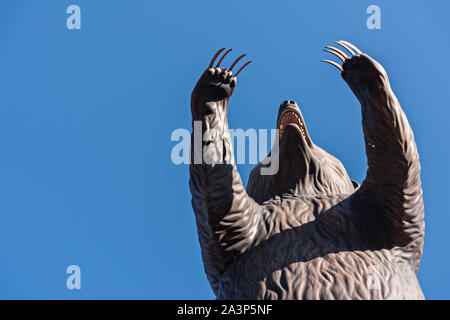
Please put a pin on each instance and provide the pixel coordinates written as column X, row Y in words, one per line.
column 304, row 169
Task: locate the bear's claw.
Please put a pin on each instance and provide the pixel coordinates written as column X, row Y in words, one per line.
column 224, row 55
column 242, row 68
column 340, row 54
column 236, row 61
column 337, row 65
column 215, row 57
column 218, row 70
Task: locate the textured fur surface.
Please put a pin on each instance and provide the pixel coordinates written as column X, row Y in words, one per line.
column 309, row 231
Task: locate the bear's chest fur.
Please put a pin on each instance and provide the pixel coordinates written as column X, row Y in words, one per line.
column 315, row 252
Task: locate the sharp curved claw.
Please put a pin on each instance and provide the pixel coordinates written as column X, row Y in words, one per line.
column 351, row 46
column 334, row 64
column 346, row 47
column 242, row 68
column 236, row 61
column 215, row 57
column 224, row 55
column 337, row 50
column 336, row 54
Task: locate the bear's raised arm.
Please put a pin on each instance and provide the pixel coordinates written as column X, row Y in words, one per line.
column 228, row 220
column 392, row 188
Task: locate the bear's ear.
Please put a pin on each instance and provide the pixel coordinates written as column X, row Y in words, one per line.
column 355, row 184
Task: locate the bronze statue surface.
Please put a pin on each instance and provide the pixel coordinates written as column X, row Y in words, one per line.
column 309, row 231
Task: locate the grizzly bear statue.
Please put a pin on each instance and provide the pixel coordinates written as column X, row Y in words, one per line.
column 308, row 231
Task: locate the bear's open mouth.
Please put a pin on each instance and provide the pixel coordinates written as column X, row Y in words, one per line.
column 291, row 115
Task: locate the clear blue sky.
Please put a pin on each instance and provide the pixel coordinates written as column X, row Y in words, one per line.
column 86, row 116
